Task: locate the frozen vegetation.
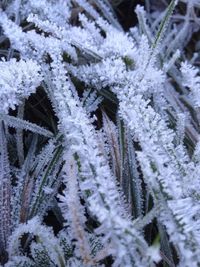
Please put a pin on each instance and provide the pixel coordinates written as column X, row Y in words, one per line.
column 99, row 134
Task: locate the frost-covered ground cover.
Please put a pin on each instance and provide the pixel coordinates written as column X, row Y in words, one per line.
column 99, row 134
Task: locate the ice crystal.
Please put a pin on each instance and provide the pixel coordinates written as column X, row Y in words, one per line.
column 111, row 144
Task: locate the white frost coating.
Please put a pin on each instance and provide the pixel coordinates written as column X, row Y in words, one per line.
column 104, row 201
column 45, row 236
column 17, row 81
column 60, row 40
column 191, row 79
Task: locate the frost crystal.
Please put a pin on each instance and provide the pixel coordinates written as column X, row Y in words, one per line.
column 17, row 81
column 107, row 149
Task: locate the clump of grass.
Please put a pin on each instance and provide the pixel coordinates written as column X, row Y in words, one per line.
column 99, row 134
